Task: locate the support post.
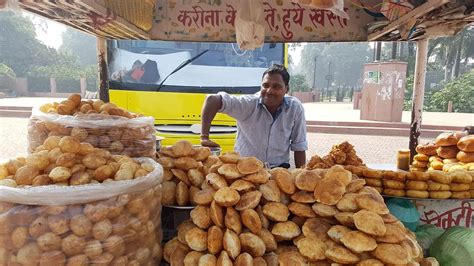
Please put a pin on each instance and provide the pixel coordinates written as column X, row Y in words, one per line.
column 53, row 89
column 314, row 73
column 394, row 50
column 102, row 67
column 83, row 82
column 418, row 94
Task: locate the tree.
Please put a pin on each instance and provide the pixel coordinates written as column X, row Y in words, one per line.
column 460, row 91
column 453, row 53
column 7, row 71
column 346, row 60
column 19, row 48
column 298, row 83
column 80, row 45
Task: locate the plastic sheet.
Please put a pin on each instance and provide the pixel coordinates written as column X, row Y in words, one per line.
column 454, row 247
column 426, row 234
column 115, row 223
column 249, row 27
column 134, row 137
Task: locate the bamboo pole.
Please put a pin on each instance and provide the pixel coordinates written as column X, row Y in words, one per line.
column 418, row 95
column 102, row 69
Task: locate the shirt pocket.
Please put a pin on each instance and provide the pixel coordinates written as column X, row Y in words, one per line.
column 281, row 140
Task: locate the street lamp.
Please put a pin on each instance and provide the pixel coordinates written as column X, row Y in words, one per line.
column 328, row 77
column 314, row 74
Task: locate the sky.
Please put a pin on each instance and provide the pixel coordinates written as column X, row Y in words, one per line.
column 48, row 31
column 296, row 54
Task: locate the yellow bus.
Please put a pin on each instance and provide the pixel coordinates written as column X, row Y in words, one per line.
column 174, row 96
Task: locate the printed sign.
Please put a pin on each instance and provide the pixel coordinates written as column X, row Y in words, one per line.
column 446, row 213
column 285, row 21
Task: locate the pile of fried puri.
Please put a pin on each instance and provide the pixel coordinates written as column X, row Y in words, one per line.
column 186, row 169
column 434, row 184
column 103, row 125
column 67, row 161
column 340, row 154
column 248, row 215
column 122, row 229
column 74, row 105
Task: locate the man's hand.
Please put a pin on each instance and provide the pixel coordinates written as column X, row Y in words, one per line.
column 206, row 142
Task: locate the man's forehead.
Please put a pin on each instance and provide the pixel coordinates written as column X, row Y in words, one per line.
column 273, row 77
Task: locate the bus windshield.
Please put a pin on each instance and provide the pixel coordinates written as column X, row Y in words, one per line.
column 142, row 65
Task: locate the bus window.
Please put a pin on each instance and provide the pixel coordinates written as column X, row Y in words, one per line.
column 224, row 65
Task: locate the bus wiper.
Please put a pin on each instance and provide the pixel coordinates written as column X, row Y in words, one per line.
column 183, row 64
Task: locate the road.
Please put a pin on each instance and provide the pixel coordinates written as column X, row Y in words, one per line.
column 372, row 149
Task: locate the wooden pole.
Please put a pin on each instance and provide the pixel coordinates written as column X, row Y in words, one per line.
column 418, row 94
column 102, row 68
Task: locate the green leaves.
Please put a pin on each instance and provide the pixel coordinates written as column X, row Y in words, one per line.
column 460, row 91
column 7, row 71
column 298, row 83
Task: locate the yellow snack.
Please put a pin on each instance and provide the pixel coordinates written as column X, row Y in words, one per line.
column 440, row 194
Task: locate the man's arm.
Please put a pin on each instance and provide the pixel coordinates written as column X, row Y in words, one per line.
column 300, row 158
column 209, row 110
column 298, row 138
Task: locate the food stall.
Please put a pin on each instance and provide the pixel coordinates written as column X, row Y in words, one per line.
column 244, row 213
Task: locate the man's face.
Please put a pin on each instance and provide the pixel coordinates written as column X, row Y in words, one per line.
column 273, row 90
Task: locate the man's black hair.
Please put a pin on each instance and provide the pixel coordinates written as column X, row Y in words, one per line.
column 278, row 69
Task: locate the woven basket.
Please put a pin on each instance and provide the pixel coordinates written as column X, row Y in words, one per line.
column 138, row 12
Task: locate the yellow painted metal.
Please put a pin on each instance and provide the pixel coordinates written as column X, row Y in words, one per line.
column 119, row 98
column 167, row 107
column 225, row 141
column 173, row 108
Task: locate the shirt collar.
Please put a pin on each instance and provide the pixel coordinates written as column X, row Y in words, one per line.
column 286, row 102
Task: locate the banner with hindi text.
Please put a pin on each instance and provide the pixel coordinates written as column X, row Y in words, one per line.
column 213, row 21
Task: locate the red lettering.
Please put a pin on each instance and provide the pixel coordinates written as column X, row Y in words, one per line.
column 230, row 17
column 270, row 16
column 446, row 219
column 317, row 17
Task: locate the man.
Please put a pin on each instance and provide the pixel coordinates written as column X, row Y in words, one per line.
column 269, row 123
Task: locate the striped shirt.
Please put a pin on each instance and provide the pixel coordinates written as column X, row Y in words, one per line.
column 267, row 137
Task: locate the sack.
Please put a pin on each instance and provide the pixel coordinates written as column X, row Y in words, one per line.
column 426, row 234
column 117, row 221
column 134, row 137
column 249, row 27
column 150, row 74
column 455, row 247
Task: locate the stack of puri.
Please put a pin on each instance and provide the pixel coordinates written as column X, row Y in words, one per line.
column 447, row 145
column 434, row 184
column 451, row 151
column 466, row 151
column 373, row 178
column 252, row 216
column 185, row 171
column 394, row 183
